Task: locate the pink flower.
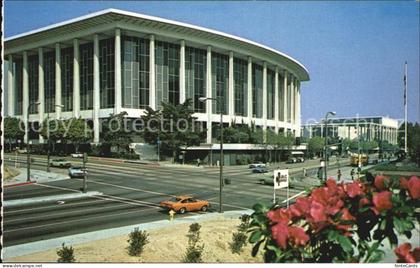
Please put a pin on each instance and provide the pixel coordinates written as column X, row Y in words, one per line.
column 380, row 182
column 318, row 212
column 346, row 215
column 297, row 236
column 414, row 187
column 404, row 183
column 279, row 215
column 382, row 201
column 363, row 202
column 354, row 189
column 280, row 233
column 403, row 253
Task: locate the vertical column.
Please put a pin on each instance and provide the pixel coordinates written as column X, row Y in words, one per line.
column 117, row 71
column 231, row 104
column 276, row 98
column 292, row 101
column 265, row 106
column 10, row 86
column 25, row 94
column 152, row 87
column 209, row 105
column 96, row 89
column 76, row 79
column 57, row 81
column 249, row 84
column 41, row 90
column 182, row 94
column 285, row 98
column 298, row 114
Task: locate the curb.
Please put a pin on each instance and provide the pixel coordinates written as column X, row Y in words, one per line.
column 19, row 184
column 38, row 246
column 25, row 201
column 141, row 163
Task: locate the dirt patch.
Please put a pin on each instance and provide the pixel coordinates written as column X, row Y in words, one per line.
column 166, row 245
column 10, row 173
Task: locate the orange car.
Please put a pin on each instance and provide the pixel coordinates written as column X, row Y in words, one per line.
column 184, row 203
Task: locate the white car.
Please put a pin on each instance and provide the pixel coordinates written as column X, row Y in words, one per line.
column 77, row 172
column 77, row 155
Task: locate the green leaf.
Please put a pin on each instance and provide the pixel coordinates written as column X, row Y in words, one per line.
column 256, row 248
column 399, row 225
column 259, row 207
column 383, row 225
column 255, row 236
column 376, row 256
column 345, row 243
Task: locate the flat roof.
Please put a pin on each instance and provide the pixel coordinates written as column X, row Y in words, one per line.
column 112, row 15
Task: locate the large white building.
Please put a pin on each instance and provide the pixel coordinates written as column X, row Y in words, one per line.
column 114, row 61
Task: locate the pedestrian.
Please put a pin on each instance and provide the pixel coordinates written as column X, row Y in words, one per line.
column 352, row 173
column 171, row 214
column 339, row 175
column 304, row 172
column 320, row 173
column 198, row 162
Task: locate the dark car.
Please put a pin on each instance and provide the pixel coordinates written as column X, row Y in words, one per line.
column 260, row 170
column 256, row 165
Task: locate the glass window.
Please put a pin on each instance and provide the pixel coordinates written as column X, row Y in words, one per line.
column 220, row 82
column 257, row 90
column 195, row 76
column 106, row 72
column 270, row 94
column 33, row 82
column 240, row 77
column 135, row 72
column 67, row 79
column 18, row 86
column 167, row 73
column 49, row 81
column 86, row 76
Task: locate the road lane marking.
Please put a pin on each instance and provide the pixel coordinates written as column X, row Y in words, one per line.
column 130, row 188
column 296, row 195
column 77, row 220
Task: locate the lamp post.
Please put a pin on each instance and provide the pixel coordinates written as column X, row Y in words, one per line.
column 28, row 159
column 220, row 102
column 48, row 137
column 326, row 143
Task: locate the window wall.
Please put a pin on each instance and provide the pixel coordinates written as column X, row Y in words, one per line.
column 257, row 90
column 135, row 64
column 281, row 97
column 49, row 81
column 220, row 82
column 195, row 77
column 270, row 94
column 67, row 79
column 86, row 76
column 33, row 83
column 18, row 88
column 167, row 73
column 106, row 72
column 240, row 78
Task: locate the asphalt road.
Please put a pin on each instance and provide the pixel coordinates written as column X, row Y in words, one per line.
column 131, row 194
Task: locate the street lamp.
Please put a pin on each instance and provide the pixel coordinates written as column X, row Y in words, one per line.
column 220, row 102
column 48, row 137
column 28, row 159
column 326, row 142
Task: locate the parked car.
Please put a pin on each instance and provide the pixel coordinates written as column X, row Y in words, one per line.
column 291, row 160
column 77, row 155
column 77, row 172
column 61, row 163
column 184, row 203
column 255, row 165
column 260, row 170
column 300, row 159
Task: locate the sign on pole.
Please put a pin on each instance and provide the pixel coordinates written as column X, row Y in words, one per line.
column 281, row 180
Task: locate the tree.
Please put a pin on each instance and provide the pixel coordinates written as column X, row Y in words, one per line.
column 14, row 130
column 316, row 145
column 173, row 124
column 413, row 140
column 79, row 132
column 114, row 132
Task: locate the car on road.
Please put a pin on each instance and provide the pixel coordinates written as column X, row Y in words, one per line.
column 61, row 163
column 260, row 170
column 77, row 172
column 77, row 155
column 255, row 165
column 184, row 203
column 291, row 160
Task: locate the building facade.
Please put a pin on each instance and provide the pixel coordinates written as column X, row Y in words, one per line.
column 364, row 128
column 116, row 61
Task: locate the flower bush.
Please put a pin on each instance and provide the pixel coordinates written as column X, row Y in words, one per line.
column 340, row 222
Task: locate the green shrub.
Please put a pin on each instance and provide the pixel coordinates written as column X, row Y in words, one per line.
column 65, row 254
column 137, row 241
column 194, row 250
column 239, row 238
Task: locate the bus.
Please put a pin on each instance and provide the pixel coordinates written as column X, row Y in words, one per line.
column 355, row 159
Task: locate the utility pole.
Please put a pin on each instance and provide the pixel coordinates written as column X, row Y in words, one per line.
column 84, row 173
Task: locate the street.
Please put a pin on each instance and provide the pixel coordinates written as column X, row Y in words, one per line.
column 130, row 194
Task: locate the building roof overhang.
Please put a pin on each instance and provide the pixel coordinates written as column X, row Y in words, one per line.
column 118, row 18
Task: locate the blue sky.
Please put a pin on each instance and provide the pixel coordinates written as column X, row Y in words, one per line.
column 354, row 51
